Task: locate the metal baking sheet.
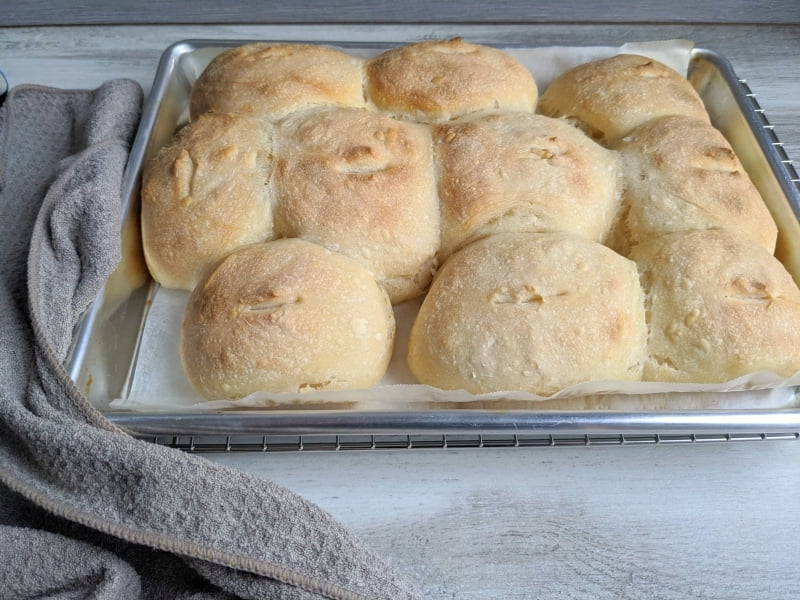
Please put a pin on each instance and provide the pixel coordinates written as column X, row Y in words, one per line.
column 105, row 346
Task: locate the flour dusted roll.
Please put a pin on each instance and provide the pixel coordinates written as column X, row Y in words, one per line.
column 720, row 306
column 286, row 316
column 682, row 174
column 434, row 81
column 530, row 312
column 607, row 98
column 523, row 172
column 270, row 80
column 204, row 194
column 361, row 183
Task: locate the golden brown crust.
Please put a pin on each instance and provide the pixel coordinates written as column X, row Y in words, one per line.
column 522, row 172
column 682, row 174
column 607, row 98
column 719, row 305
column 285, row 131
column 271, row 80
column 361, row 183
column 435, row 81
column 286, row 316
column 205, row 193
column 530, row 312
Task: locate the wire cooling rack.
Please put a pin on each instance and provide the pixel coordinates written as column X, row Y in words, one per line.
column 344, row 443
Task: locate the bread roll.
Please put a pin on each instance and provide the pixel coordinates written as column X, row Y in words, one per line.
column 361, row 183
column 720, row 306
column 682, row 174
column 607, row 98
column 204, row 194
column 522, row 172
column 286, row 316
column 271, row 80
column 435, row 81
column 530, row 312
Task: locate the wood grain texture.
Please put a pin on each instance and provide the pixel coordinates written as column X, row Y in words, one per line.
column 67, row 12
column 659, row 522
column 671, row 522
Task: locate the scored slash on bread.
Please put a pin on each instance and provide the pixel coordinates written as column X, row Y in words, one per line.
column 608, row 98
column 362, row 183
column 522, row 172
column 530, row 312
column 269, row 81
column 720, row 306
column 682, row 174
column 440, row 80
column 286, row 316
column 204, row 194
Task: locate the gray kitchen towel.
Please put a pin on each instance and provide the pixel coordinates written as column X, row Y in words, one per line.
column 86, row 510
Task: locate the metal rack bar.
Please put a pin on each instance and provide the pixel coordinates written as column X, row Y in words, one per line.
column 769, row 129
column 349, row 443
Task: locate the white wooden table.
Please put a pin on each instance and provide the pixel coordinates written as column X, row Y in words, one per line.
column 694, row 520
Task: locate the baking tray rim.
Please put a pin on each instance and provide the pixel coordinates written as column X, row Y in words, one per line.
column 458, row 419
column 463, row 421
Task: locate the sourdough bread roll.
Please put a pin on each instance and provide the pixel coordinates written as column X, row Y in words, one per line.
column 271, row 80
column 361, row 183
column 607, row 98
column 522, row 172
column 530, row 312
column 434, row 81
column 204, row 194
column 681, row 174
column 720, row 306
column 286, row 316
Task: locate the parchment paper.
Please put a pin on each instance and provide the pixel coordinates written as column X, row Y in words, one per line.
column 157, row 381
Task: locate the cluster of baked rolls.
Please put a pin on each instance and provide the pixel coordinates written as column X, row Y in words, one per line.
column 580, row 236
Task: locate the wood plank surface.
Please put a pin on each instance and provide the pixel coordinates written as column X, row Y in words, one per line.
column 658, row 522
column 68, row 12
